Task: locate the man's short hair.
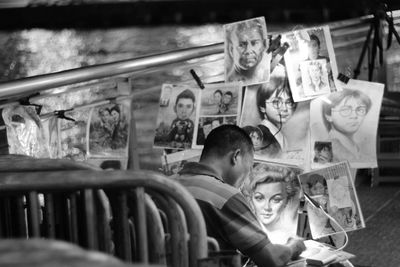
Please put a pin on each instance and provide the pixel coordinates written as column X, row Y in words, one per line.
column 315, row 178
column 315, row 38
column 224, row 139
column 335, row 98
column 319, row 146
column 186, row 94
column 218, row 92
column 276, row 86
column 244, row 26
column 207, row 121
column 228, row 93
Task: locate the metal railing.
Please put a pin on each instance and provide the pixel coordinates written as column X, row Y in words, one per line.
column 75, row 207
column 31, row 85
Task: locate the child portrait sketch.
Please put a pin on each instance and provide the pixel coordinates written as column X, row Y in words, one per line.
column 332, row 188
column 108, row 130
column 246, row 57
column 281, row 125
column 323, row 152
column 308, row 50
column 348, row 119
column 176, row 116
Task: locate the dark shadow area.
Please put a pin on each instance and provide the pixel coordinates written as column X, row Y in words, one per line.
column 100, row 15
column 377, row 244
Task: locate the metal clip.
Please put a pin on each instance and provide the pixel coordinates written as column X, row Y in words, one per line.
column 197, row 79
column 61, row 114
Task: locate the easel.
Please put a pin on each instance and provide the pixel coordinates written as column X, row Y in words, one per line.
column 376, row 27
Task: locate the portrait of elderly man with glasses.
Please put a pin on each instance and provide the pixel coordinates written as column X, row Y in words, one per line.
column 275, row 107
column 343, row 114
column 246, row 57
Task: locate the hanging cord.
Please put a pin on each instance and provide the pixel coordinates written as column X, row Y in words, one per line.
column 280, row 128
column 318, row 206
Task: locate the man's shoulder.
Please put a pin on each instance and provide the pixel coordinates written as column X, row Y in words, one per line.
column 209, row 189
column 208, row 183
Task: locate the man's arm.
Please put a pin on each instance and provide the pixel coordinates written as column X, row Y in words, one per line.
column 278, row 255
column 245, row 233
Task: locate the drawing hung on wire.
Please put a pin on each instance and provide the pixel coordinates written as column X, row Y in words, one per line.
column 348, row 120
column 333, row 192
column 109, row 130
column 311, row 62
column 176, row 116
column 273, row 192
column 219, row 104
column 269, row 116
column 246, row 57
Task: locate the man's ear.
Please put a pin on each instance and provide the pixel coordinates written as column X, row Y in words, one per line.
column 328, row 117
column 193, row 109
column 235, row 156
column 263, row 110
column 230, row 50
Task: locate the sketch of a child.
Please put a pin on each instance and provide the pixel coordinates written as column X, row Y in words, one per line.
column 181, row 130
column 275, row 106
column 256, row 136
column 343, row 115
column 323, row 152
column 318, row 190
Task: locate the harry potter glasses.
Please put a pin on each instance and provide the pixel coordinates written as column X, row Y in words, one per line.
column 278, row 102
column 347, row 110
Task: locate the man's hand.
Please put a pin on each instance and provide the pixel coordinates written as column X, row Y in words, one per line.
column 296, row 245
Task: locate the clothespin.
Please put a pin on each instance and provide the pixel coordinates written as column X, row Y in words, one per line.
column 343, row 78
column 279, row 55
column 166, row 170
column 112, row 100
column 61, row 114
column 274, row 44
column 25, row 101
column 197, row 79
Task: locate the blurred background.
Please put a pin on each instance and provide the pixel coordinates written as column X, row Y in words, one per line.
column 106, row 13
column 45, row 36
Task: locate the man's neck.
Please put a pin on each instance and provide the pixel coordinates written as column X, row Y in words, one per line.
column 245, row 72
column 217, row 165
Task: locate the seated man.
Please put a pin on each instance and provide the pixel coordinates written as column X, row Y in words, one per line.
column 225, row 162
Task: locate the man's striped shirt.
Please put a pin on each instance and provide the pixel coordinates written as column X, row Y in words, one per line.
column 227, row 214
